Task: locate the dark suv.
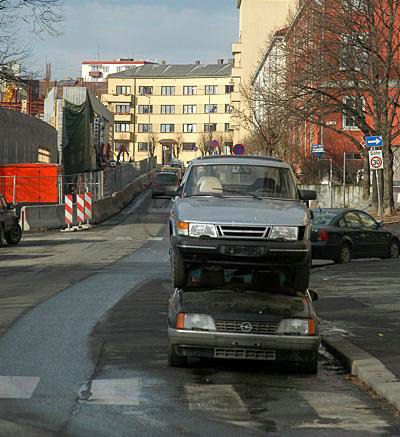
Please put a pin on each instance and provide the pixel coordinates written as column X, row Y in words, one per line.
column 242, row 212
column 10, row 229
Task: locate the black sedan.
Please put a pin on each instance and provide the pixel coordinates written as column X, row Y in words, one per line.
column 343, row 234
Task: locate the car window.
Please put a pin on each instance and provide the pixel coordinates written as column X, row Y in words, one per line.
column 166, row 178
column 342, row 223
column 3, row 203
column 323, row 217
column 238, row 179
column 367, row 221
column 352, row 220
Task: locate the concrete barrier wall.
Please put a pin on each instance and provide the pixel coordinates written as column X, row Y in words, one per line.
column 353, row 196
column 52, row 216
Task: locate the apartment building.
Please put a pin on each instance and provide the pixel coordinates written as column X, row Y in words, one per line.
column 98, row 71
column 180, row 111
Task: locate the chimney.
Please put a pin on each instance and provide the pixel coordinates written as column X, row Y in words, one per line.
column 196, row 62
column 231, row 61
column 163, row 62
column 220, row 61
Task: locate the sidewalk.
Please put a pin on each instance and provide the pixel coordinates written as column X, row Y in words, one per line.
column 359, row 308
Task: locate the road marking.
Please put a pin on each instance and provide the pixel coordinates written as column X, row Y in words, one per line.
column 345, row 412
column 221, row 401
column 115, row 391
column 18, row 387
column 155, row 238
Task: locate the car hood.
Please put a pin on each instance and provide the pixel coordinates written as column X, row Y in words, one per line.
column 251, row 211
column 233, row 305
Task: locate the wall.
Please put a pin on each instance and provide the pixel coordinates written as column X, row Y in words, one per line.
column 353, row 196
column 22, row 135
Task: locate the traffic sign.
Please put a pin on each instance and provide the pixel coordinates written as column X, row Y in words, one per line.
column 317, row 148
column 376, row 141
column 238, row 149
column 215, row 143
column 376, row 159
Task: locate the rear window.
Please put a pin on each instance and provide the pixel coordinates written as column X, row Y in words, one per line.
column 323, row 217
column 166, row 178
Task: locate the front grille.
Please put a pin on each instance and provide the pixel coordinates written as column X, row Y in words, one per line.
column 244, row 354
column 243, row 232
column 236, row 326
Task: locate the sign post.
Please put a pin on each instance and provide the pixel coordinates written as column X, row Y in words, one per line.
column 375, row 164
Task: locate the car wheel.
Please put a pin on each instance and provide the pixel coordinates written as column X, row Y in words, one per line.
column 1, row 234
column 309, row 364
column 178, row 271
column 175, row 360
column 14, row 236
column 344, row 255
column 394, row 249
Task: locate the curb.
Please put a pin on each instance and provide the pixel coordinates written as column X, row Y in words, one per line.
column 365, row 367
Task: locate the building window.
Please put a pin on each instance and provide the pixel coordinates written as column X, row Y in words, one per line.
column 210, row 127
column 167, row 90
column 211, row 89
column 189, row 90
column 189, row 128
column 167, row 128
column 95, row 67
column 122, row 68
column 227, row 127
column 229, row 89
column 167, row 109
column 106, row 69
column 145, row 128
column 44, row 155
column 210, row 108
column 122, row 89
column 189, row 147
column 122, row 127
column 143, row 147
column 145, row 109
column 356, row 106
column 228, row 109
column 189, row 109
column 123, row 109
column 146, row 90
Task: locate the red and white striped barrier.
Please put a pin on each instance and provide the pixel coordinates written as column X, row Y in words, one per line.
column 80, row 207
column 88, row 206
column 69, row 210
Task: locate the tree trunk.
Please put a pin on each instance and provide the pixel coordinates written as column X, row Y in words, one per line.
column 374, row 200
column 388, row 202
column 366, row 184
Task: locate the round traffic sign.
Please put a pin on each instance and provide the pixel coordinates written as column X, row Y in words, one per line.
column 376, row 162
column 238, row 149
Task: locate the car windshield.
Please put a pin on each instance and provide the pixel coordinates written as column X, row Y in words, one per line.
column 323, row 217
column 166, row 178
column 233, row 180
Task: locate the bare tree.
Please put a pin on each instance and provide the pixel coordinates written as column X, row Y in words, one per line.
column 153, row 138
column 178, row 146
column 203, row 142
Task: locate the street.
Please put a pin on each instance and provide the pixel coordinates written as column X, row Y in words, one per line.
column 84, row 350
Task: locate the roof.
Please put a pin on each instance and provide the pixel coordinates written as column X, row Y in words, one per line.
column 117, row 62
column 245, row 160
column 176, row 70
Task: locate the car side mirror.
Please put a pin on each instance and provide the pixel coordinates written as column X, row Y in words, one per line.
column 313, row 295
column 308, row 195
column 379, row 225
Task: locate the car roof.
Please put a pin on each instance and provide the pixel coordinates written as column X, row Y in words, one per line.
column 245, row 160
column 338, row 210
column 167, row 172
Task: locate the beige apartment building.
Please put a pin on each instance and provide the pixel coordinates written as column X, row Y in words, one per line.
column 184, row 110
column 258, row 20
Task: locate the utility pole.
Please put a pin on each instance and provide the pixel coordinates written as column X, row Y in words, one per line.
column 344, row 179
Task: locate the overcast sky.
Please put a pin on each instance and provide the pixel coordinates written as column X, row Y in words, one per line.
column 178, row 31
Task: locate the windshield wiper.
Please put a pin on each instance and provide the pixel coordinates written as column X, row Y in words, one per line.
column 243, row 193
column 205, row 195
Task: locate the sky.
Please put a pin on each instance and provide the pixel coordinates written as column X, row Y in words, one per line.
column 177, row 31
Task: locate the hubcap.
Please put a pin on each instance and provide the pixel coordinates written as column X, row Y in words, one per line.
column 345, row 255
column 394, row 250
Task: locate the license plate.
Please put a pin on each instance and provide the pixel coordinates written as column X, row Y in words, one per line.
column 242, row 250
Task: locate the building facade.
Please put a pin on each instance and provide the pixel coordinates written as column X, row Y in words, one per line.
column 98, row 71
column 180, row 111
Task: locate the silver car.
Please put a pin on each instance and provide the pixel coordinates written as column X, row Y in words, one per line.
column 245, row 212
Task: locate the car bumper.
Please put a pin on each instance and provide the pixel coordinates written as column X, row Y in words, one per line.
column 241, row 346
column 218, row 251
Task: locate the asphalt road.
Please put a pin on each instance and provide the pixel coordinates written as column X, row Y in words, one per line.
column 84, row 350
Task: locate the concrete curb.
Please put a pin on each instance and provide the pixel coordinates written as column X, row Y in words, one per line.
column 365, row 367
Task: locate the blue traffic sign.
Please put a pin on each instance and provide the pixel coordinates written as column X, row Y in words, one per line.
column 376, row 141
column 238, row 149
column 317, row 148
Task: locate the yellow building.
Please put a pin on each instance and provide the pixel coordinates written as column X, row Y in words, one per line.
column 185, row 107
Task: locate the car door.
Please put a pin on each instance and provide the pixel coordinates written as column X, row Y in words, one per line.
column 356, row 234
column 376, row 243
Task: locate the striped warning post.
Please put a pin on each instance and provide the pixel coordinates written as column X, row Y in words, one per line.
column 69, row 209
column 88, row 206
column 80, row 207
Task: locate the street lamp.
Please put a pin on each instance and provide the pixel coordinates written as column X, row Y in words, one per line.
column 148, row 125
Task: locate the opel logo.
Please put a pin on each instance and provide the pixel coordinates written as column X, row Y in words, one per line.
column 246, row 327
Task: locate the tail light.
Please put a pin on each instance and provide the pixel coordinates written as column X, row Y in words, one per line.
column 323, row 235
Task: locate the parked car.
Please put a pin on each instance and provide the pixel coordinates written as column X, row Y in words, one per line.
column 344, row 234
column 164, row 183
column 10, row 230
column 241, row 211
column 242, row 317
column 174, row 168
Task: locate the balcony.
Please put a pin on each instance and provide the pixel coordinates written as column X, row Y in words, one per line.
column 236, row 97
column 122, row 136
column 236, row 71
column 237, row 47
column 117, row 98
column 127, row 117
column 96, row 74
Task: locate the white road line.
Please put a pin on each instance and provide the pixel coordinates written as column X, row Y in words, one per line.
column 344, row 410
column 18, row 387
column 155, row 238
column 115, row 391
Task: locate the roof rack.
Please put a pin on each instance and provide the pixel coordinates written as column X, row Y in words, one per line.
column 261, row 158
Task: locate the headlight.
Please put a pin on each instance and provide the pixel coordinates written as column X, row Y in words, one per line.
column 284, row 233
column 202, row 230
column 296, row 327
column 201, row 322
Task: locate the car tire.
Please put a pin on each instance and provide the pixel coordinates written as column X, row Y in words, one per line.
column 175, row 360
column 178, row 271
column 393, row 250
column 344, row 255
column 1, row 234
column 13, row 236
column 309, row 365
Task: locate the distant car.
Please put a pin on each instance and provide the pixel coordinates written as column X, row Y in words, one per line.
column 165, row 183
column 242, row 317
column 10, row 230
column 175, row 168
column 344, row 234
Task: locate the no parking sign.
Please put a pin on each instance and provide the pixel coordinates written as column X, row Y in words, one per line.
column 376, row 159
